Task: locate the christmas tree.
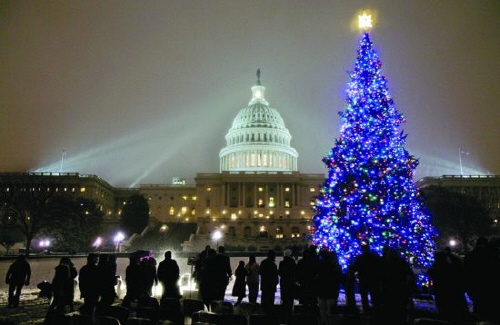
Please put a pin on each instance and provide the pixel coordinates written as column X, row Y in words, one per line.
column 369, row 195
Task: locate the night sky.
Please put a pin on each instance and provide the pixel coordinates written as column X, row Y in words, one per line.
column 139, row 92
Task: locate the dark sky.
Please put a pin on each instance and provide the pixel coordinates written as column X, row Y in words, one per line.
column 142, row 91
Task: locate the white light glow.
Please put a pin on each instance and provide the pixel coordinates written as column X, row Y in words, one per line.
column 365, row 21
column 119, row 237
column 217, row 235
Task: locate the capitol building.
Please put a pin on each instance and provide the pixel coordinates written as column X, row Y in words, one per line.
column 258, row 200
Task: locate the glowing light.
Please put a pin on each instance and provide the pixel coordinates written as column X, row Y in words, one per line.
column 119, row 237
column 365, row 21
column 44, row 243
column 217, row 235
column 97, row 242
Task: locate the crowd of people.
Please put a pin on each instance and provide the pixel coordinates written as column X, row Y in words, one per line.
column 476, row 275
column 315, row 280
column 386, row 282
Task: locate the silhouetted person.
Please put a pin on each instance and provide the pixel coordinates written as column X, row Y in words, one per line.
column 221, row 272
column 482, row 269
column 397, row 288
column 88, row 284
column 268, row 281
column 349, row 283
column 73, row 273
column 134, row 278
column 286, row 271
column 448, row 280
column 198, row 265
column 206, row 283
column 253, row 278
column 150, row 279
column 307, row 273
column 168, row 275
column 240, row 285
column 107, row 279
column 63, row 286
column 18, row 275
column 329, row 279
column 366, row 268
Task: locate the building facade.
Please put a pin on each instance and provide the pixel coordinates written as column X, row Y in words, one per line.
column 486, row 188
column 258, row 199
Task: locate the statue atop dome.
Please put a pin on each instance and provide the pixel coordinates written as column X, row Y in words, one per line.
column 258, row 76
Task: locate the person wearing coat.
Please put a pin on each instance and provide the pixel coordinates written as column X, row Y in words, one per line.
column 18, row 275
column 168, row 274
column 268, row 281
column 286, row 271
column 63, row 285
column 239, row 287
column 253, row 278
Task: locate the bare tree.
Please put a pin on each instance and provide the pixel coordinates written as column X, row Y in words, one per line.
column 27, row 207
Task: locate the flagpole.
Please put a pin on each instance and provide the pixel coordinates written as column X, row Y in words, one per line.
column 460, row 160
column 62, row 160
column 460, row 152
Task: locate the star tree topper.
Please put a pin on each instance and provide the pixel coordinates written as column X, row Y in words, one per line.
column 365, row 21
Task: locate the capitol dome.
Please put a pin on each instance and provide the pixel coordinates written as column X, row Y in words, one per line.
column 258, row 139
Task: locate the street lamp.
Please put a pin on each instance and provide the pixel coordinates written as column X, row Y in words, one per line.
column 216, row 236
column 44, row 243
column 118, row 239
column 97, row 243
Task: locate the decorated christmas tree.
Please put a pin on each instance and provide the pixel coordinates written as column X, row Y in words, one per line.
column 369, row 195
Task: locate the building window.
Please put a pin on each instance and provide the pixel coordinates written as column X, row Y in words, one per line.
column 232, row 231
column 279, row 233
column 171, row 211
column 295, row 232
column 271, row 202
column 248, row 232
column 261, row 203
column 263, row 232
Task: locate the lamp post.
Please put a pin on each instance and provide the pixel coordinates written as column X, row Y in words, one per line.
column 216, row 236
column 97, row 243
column 118, row 239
